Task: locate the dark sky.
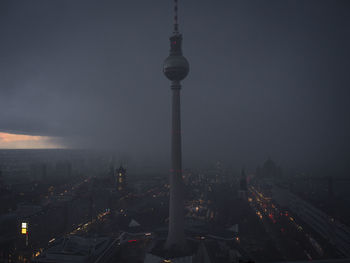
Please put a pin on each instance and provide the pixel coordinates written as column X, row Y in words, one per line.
column 268, row 78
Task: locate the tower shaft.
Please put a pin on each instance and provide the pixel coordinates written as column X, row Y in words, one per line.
column 176, row 235
column 176, row 68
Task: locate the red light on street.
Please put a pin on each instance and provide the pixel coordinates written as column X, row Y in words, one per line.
column 132, row 240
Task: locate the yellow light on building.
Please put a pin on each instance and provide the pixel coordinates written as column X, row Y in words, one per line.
column 24, row 228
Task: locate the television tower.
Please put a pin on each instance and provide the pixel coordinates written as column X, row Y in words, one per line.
column 176, row 68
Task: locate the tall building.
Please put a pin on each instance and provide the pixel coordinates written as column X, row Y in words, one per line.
column 121, row 178
column 243, row 188
column 176, row 68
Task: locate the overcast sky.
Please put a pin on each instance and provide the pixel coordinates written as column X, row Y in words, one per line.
column 267, row 78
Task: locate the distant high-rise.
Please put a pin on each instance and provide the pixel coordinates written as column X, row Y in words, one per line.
column 121, row 178
column 243, row 188
column 176, row 68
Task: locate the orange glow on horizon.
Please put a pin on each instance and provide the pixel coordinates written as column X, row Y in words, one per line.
column 8, row 137
column 22, row 141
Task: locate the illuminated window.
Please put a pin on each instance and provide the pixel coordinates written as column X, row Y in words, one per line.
column 24, row 229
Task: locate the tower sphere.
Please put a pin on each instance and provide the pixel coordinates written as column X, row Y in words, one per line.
column 176, row 67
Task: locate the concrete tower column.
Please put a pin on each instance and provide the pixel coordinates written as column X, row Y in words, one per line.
column 176, row 235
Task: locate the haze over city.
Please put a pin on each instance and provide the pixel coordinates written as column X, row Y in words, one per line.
column 267, row 79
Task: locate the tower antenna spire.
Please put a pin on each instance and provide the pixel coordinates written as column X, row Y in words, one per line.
column 176, row 24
